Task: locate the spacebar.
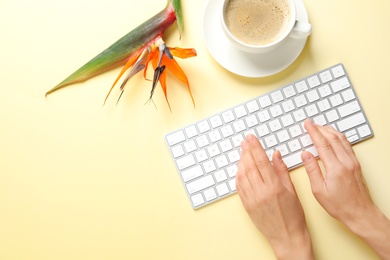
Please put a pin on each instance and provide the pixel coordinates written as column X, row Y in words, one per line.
column 293, row 160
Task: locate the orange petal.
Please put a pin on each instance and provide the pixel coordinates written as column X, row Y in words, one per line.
column 163, row 82
column 182, row 53
column 130, row 62
column 174, row 67
column 152, row 57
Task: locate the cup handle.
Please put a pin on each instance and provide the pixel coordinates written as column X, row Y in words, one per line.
column 301, row 30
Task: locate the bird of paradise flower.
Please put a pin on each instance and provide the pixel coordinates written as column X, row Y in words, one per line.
column 136, row 50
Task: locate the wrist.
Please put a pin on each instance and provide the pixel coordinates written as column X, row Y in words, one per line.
column 365, row 221
column 373, row 228
column 297, row 247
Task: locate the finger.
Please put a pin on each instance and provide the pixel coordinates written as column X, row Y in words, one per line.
column 324, row 148
column 282, row 171
column 243, row 186
column 334, row 140
column 253, row 174
column 347, row 145
column 260, row 158
column 313, row 171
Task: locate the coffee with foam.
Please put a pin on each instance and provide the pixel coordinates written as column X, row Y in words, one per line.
column 257, row 22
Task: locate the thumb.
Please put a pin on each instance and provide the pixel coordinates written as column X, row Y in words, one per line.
column 313, row 171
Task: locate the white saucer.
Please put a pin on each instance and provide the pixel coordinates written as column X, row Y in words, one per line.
column 245, row 64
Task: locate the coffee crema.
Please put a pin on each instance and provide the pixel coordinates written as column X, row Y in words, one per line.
column 257, row 22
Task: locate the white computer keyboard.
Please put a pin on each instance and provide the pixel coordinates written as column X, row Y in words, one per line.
column 206, row 153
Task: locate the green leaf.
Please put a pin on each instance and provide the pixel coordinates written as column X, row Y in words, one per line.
column 121, row 50
column 179, row 15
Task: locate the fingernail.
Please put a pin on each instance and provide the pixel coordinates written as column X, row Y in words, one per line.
column 250, row 138
column 244, row 145
column 305, row 156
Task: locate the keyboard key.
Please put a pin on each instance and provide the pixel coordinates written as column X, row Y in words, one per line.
column 177, row 151
column 311, row 110
column 237, row 140
column 232, row 170
column 338, row 71
column 349, row 109
column 209, row 166
column 185, row 162
column 191, row 131
column 277, row 96
column 220, row 176
column 351, row 122
column 201, row 155
column 262, row 130
column 287, row 120
column 288, row 106
column 336, row 100
column 227, row 131
column 270, row 141
column 364, row 131
column 320, row 120
column 216, row 121
column 340, row 84
column 283, row 136
column 300, row 101
column 226, row 145
column 263, row 116
column 239, row 126
column 234, row 156
column 240, row 111
column 251, row 121
column 332, row 116
column 221, row 161
column 203, row 126
column 197, row 200
column 275, row 125
column 312, row 96
column 215, row 136
column 348, row 95
column 232, row 184
column 190, row 146
column 293, row 160
column 325, row 91
column 213, row 150
column 301, row 86
column 323, row 105
column 228, row 116
column 276, row 111
column 289, row 91
column 306, row 140
column 252, row 106
column 283, row 149
column 222, row 189
column 192, row 173
column 176, row 138
column 313, row 81
column 202, row 141
column 326, row 76
column 210, row 194
column 299, row 115
column 265, row 101
column 294, row 145
column 200, row 184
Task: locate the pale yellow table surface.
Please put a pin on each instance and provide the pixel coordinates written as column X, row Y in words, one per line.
column 82, row 181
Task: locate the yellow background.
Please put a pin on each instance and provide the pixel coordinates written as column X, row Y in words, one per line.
column 82, row 181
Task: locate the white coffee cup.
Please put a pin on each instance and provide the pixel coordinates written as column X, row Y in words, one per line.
column 265, row 24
